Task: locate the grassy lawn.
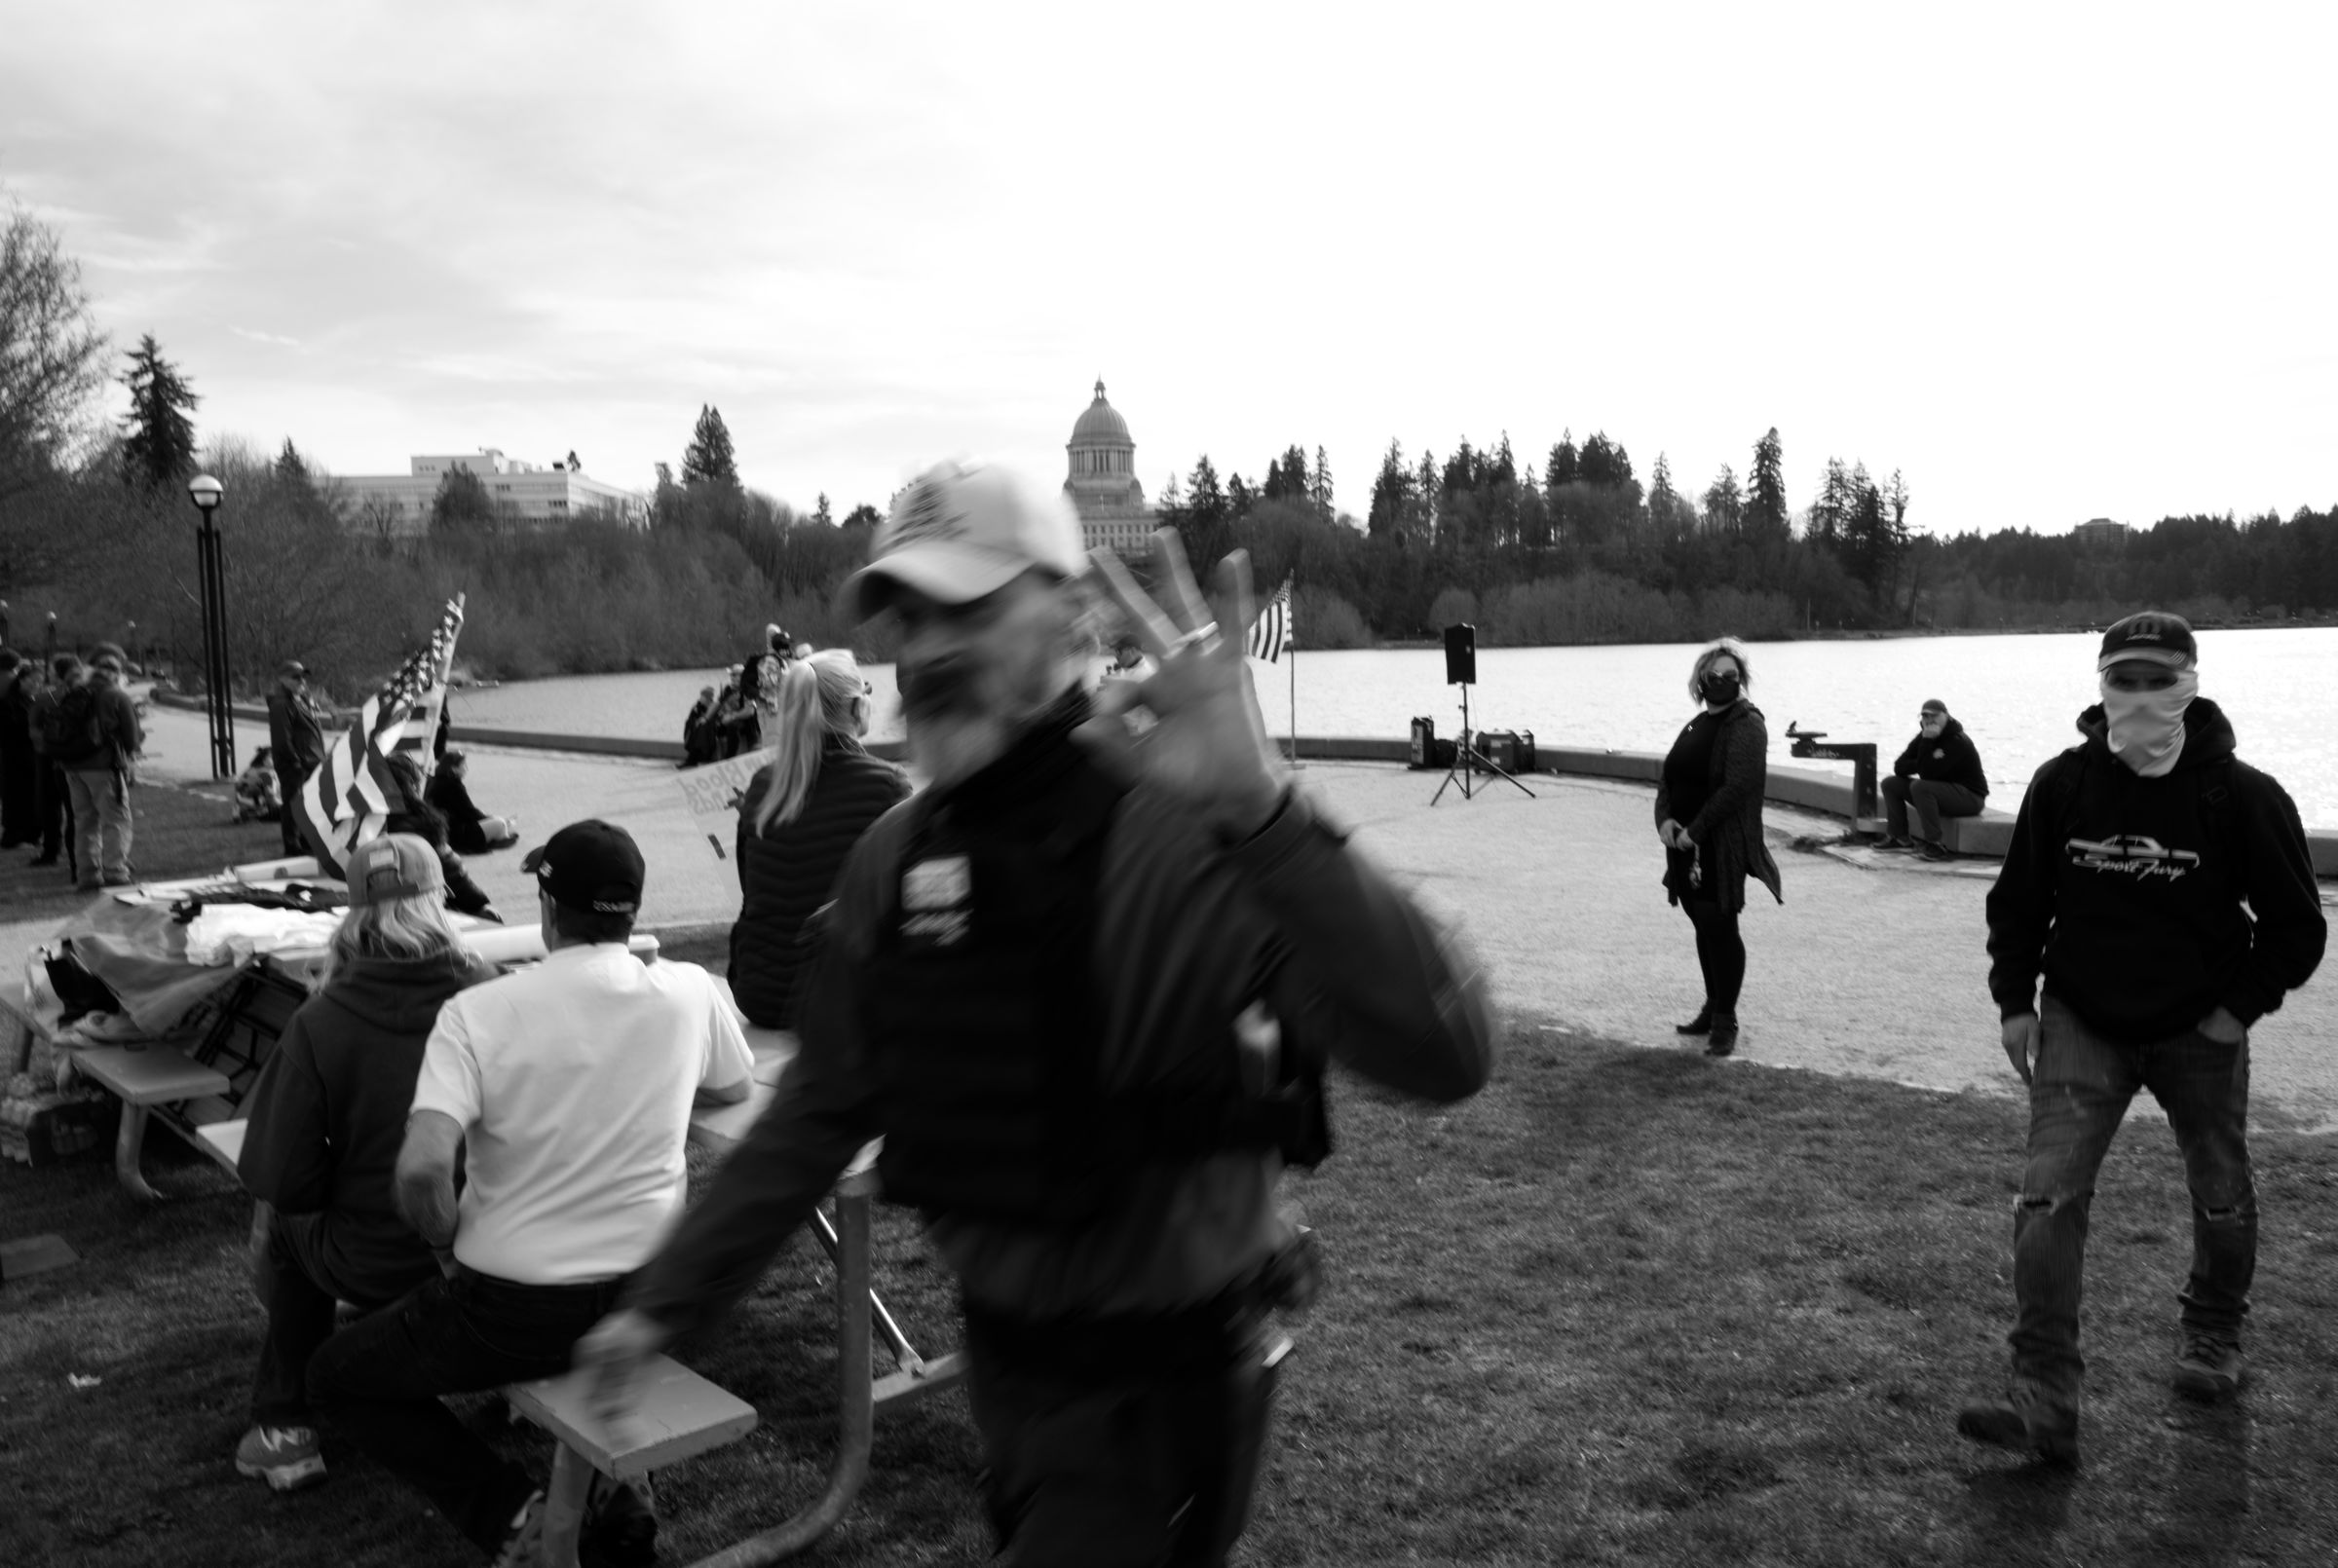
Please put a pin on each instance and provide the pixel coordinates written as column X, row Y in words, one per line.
column 1625, row 1307
column 175, row 831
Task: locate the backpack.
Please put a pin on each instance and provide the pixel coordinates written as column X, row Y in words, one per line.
column 70, row 726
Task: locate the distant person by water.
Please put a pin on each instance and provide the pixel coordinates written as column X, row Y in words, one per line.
column 1709, row 815
column 2163, row 891
column 804, row 813
column 699, row 742
column 1940, row 773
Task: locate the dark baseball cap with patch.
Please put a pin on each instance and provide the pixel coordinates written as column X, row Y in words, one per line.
column 590, row 866
column 2152, row 636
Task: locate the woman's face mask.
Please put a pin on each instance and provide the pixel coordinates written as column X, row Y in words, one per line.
column 2146, row 722
column 1721, row 685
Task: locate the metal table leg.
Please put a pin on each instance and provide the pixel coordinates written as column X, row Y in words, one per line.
column 128, row 1142
column 855, row 1401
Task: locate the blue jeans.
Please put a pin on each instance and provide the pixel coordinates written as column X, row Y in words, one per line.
column 380, row 1379
column 2078, row 1095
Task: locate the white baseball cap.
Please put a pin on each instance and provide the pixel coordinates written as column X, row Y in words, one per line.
column 964, row 529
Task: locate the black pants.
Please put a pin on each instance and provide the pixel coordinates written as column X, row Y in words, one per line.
column 1133, row 1443
column 380, row 1379
column 53, row 807
column 1720, row 954
column 299, row 1285
column 288, row 790
column 20, row 792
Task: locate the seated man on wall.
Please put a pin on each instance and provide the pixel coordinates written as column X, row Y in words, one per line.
column 567, row 1088
column 1940, row 772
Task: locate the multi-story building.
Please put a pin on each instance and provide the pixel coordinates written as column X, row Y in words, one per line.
column 1102, row 482
column 399, row 503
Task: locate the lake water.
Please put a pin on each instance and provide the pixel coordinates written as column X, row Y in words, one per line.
column 2016, row 695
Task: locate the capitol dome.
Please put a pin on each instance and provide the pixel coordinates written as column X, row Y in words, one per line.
column 1101, row 422
column 1102, row 481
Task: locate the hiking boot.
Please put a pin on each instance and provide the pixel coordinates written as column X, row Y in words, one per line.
column 1894, row 841
column 284, row 1457
column 1702, row 1024
column 523, row 1537
column 2026, row 1418
column 2209, row 1369
column 1723, row 1040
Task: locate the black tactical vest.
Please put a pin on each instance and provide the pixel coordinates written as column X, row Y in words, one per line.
column 984, row 1019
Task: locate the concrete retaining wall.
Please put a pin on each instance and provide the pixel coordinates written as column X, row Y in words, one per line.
column 1810, row 789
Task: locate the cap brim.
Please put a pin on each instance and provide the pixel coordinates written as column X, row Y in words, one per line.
column 2168, row 657
column 533, row 859
column 943, row 571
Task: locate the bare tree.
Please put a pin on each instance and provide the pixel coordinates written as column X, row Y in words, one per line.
column 51, row 353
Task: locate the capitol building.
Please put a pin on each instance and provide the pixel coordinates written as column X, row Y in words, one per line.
column 1102, row 482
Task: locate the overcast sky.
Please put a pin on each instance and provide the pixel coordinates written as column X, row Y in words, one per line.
column 2051, row 262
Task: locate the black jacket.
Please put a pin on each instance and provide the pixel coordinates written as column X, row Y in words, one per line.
column 1949, row 760
column 329, row 1109
column 2126, row 893
column 295, row 733
column 450, row 798
column 787, row 873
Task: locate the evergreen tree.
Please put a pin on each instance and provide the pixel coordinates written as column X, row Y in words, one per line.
column 1565, row 464
column 461, row 507
column 820, row 514
column 709, row 458
column 1391, row 493
column 1319, row 486
column 1724, row 503
column 1765, row 502
column 1666, row 509
column 158, row 450
column 290, row 464
column 863, row 516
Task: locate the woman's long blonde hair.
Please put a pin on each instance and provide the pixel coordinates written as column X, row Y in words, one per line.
column 817, row 697
column 413, row 929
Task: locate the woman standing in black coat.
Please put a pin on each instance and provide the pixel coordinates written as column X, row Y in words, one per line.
column 802, row 815
column 1709, row 815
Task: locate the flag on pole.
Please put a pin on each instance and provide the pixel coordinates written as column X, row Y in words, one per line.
column 344, row 801
column 1270, row 633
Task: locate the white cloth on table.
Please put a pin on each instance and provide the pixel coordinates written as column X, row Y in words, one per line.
column 573, row 1081
column 232, row 933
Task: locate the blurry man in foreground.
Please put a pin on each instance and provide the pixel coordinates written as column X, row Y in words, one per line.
column 1086, row 989
column 2162, row 889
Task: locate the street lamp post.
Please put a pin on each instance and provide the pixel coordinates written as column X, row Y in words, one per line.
column 207, row 493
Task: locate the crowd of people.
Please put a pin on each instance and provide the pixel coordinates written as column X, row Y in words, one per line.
column 1085, row 983
column 70, row 747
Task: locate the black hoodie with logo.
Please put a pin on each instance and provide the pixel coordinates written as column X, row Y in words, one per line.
column 2148, row 903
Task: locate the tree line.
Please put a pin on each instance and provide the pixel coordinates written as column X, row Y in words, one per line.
column 96, row 528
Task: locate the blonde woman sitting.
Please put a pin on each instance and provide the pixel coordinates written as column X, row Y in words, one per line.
column 326, row 1118
column 802, row 815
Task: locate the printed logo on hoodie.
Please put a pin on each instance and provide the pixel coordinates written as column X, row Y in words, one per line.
column 2131, row 854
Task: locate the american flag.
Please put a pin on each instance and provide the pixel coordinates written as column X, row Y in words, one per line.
column 1270, row 633
column 344, row 801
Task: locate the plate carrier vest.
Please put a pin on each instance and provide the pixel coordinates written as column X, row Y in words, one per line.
column 983, row 1018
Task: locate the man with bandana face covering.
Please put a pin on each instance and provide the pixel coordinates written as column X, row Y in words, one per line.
column 2162, row 889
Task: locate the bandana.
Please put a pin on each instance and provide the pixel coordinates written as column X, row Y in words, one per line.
column 2146, row 728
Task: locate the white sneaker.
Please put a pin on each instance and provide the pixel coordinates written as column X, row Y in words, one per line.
column 284, row 1457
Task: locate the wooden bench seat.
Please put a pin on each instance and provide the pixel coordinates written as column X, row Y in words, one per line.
column 676, row 1414
column 143, row 1078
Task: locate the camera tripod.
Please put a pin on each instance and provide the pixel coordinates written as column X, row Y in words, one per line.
column 1466, row 754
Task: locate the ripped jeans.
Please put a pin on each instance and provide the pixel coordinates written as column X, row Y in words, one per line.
column 2080, row 1091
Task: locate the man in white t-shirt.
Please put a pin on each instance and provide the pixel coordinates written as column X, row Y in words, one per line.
column 564, row 1092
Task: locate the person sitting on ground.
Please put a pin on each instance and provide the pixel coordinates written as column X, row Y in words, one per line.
column 564, row 1091
column 805, row 811
column 737, row 725
column 326, row 1119
column 699, row 741
column 469, row 830
column 257, row 800
column 1941, row 773
column 411, row 812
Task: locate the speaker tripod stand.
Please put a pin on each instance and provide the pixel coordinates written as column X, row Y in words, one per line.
column 1465, row 754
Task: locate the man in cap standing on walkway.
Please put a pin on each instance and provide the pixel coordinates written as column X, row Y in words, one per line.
column 1084, row 988
column 2162, row 890
column 295, row 743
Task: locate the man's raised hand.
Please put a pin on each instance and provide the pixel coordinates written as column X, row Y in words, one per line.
column 1208, row 742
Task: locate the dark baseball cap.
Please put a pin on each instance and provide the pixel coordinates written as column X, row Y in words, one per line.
column 593, row 866
column 2152, row 636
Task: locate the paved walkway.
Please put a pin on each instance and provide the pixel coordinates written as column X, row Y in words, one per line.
column 1872, row 972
